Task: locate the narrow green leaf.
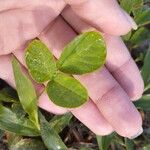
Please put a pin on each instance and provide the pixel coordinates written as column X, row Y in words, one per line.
column 133, row 6
column 104, row 141
column 16, row 142
column 143, row 103
column 27, row 144
column 86, row 148
column 146, row 68
column 12, row 138
column 50, row 137
column 118, row 140
column 18, row 110
column 129, row 144
column 86, row 53
column 65, row 91
column 146, row 147
column 26, row 93
column 40, row 61
column 127, row 5
column 127, row 37
column 147, row 87
column 143, row 18
column 137, row 7
column 2, row 133
column 140, row 36
column 60, row 122
column 8, row 94
column 10, row 122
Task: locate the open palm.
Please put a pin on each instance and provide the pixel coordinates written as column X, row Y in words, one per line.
column 56, row 23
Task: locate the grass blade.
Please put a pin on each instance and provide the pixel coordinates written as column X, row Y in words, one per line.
column 143, row 103
column 129, row 144
column 104, row 141
column 50, row 136
column 21, row 126
column 146, row 68
column 60, row 122
column 26, row 93
column 8, row 94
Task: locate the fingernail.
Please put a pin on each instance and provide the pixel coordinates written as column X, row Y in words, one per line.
column 88, row 29
column 131, row 21
column 75, row 2
column 136, row 135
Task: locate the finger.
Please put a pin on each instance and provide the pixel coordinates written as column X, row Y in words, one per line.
column 13, row 4
column 119, row 111
column 105, row 15
column 6, row 73
column 25, row 23
column 118, row 61
column 89, row 115
column 97, row 123
column 117, row 108
column 98, row 84
column 123, row 68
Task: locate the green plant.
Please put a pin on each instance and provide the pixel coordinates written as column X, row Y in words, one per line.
column 84, row 54
column 23, row 117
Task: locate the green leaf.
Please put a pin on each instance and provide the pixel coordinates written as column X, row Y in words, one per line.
column 127, row 37
column 118, row 140
column 65, row 91
column 16, row 142
column 60, row 122
column 140, row 57
column 2, row 133
column 127, row 5
column 26, row 93
column 21, row 126
column 137, row 7
column 104, row 141
column 8, row 94
column 18, row 110
column 12, row 138
column 129, row 144
column 143, row 103
column 131, row 5
column 40, row 61
column 146, row 68
column 27, row 144
column 146, row 147
column 86, row 148
column 140, row 36
column 50, row 137
column 143, row 18
column 86, row 53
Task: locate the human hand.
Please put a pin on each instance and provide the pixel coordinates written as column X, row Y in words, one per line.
column 110, row 89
